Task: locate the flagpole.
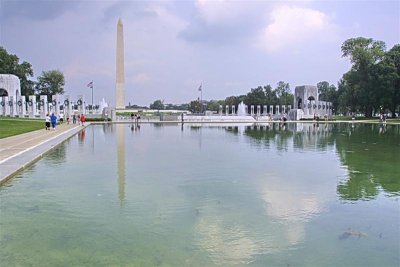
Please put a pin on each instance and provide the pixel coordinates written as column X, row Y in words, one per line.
column 92, row 97
column 91, row 86
column 201, row 98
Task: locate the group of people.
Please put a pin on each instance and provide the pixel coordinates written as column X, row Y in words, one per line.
column 51, row 120
column 135, row 117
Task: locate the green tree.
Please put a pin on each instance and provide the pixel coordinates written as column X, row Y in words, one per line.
column 9, row 64
column 230, row 100
column 256, row 97
column 283, row 93
column 234, row 100
column 392, row 62
column 328, row 93
column 270, row 95
column 195, row 106
column 364, row 54
column 50, row 83
column 214, row 105
column 158, row 104
column 348, row 94
column 323, row 88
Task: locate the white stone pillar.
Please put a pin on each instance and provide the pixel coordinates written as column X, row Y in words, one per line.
column 7, row 107
column 67, row 106
column 12, row 103
column 271, row 109
column 283, row 109
column 314, row 108
column 220, row 110
column 32, row 108
column 21, row 106
column 258, row 110
column 43, row 106
column 233, row 110
column 277, row 110
column 81, row 104
column 3, row 104
column 226, row 110
column 56, row 104
column 265, row 111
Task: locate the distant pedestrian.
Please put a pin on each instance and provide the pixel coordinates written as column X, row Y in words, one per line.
column 47, row 122
column 79, row 119
column 73, row 118
column 53, row 119
column 83, row 120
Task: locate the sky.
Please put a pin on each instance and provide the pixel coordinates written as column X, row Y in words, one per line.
column 171, row 47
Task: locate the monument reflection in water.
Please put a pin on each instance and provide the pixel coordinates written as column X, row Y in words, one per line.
column 273, row 194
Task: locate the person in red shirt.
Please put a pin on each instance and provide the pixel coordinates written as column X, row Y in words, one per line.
column 83, row 120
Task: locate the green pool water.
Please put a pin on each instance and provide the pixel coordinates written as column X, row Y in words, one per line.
column 209, row 195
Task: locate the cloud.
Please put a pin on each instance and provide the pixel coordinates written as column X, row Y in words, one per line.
column 223, row 22
column 220, row 11
column 294, row 25
column 132, row 10
column 141, row 78
column 36, row 10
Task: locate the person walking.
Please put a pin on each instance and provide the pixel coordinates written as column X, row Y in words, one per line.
column 83, row 120
column 53, row 119
column 47, row 122
column 73, row 118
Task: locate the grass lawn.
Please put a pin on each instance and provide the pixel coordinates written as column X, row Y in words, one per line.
column 15, row 126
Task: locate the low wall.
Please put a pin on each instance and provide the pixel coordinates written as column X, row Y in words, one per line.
column 192, row 118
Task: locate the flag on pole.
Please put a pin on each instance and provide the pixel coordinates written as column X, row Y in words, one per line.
column 90, row 84
column 200, row 89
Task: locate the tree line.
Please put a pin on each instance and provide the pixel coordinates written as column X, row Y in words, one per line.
column 261, row 95
column 48, row 83
column 371, row 86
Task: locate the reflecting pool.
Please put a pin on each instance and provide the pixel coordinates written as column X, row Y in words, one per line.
column 209, row 195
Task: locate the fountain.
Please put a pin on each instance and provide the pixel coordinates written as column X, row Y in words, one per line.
column 241, row 109
column 240, row 116
column 103, row 104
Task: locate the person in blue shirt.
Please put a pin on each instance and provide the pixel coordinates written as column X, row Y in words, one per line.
column 53, row 119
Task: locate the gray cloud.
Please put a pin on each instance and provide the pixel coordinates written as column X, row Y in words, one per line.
column 200, row 32
column 223, row 23
column 128, row 10
column 35, row 10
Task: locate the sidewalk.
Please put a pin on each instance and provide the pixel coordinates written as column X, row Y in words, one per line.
column 19, row 151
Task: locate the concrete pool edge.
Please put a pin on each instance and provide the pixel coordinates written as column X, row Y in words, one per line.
column 21, row 160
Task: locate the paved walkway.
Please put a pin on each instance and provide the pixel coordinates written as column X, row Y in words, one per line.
column 19, row 151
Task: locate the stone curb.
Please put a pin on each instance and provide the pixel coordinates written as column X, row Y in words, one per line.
column 15, row 163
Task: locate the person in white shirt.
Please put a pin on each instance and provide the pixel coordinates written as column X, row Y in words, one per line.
column 47, row 123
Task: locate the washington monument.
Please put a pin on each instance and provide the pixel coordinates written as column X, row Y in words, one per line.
column 120, row 81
